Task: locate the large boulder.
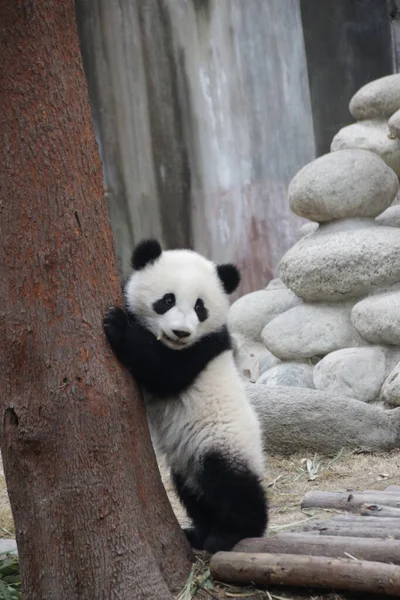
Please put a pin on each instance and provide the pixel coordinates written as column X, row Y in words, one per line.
column 310, row 330
column 267, row 361
column 377, row 99
column 250, row 313
column 307, row 229
column 248, row 354
column 394, row 124
column 347, row 183
column 390, row 392
column 377, row 318
column 293, row 374
column 299, row 420
column 343, row 259
column 373, row 136
column 390, row 217
column 354, row 372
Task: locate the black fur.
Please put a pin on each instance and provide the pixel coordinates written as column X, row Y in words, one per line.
column 164, row 304
column 144, row 253
column 230, row 277
column 201, row 311
column 159, row 369
column 231, row 505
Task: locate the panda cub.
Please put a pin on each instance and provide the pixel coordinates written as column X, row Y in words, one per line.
column 173, row 338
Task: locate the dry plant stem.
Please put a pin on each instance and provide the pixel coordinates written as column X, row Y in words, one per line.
column 307, row 571
column 385, row 551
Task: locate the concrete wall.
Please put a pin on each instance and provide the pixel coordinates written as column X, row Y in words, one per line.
column 243, row 89
column 206, row 109
column 203, row 116
column 348, row 44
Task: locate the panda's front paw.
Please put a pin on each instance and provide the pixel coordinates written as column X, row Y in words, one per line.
column 115, row 322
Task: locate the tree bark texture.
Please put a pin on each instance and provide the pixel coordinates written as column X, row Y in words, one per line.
column 308, row 571
column 386, row 551
column 92, row 518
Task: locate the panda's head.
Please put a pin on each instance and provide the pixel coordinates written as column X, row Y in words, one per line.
column 179, row 295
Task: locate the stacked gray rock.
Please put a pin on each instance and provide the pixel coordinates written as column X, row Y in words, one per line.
column 332, row 320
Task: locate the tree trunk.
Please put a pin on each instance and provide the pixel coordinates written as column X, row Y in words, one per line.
column 91, row 515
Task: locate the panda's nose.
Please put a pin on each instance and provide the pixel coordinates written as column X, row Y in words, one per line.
column 180, row 334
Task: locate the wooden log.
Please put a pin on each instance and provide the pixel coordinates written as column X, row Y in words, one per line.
column 306, row 571
column 385, row 491
column 382, row 522
column 354, row 530
column 386, row 551
column 348, row 500
column 377, row 510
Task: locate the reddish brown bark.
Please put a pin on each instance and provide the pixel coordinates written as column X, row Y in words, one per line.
column 92, row 518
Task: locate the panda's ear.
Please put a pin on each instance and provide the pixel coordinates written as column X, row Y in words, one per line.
column 230, row 277
column 144, row 253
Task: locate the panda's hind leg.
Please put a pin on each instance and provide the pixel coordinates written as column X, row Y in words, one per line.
column 202, row 517
column 235, row 496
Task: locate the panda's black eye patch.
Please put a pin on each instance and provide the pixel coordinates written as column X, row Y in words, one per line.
column 200, row 310
column 164, row 304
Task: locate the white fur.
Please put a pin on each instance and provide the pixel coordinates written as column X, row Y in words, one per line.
column 214, row 413
column 189, row 276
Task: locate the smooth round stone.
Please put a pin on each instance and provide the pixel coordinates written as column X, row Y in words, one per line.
column 390, row 392
column 373, row 136
column 343, row 184
column 394, row 124
column 292, row 374
column 276, row 284
column 343, row 260
column 377, row 318
column 249, row 314
column 247, row 354
column 267, row 361
column 390, row 217
column 310, row 330
column 302, row 420
column 354, row 372
column 377, row 99
column 307, row 229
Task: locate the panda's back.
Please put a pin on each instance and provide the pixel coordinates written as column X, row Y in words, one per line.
column 213, row 414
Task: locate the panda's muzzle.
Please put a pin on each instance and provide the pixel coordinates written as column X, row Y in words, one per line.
column 178, row 341
column 181, row 334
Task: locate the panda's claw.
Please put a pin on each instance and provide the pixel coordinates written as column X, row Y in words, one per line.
column 115, row 322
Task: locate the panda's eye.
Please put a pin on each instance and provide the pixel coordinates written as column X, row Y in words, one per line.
column 200, row 310
column 163, row 305
column 169, row 299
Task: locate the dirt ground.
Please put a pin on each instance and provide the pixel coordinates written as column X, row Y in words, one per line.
column 286, row 482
